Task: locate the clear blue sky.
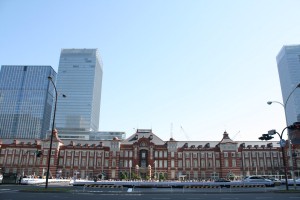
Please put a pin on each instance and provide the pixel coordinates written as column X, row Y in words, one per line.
column 202, row 66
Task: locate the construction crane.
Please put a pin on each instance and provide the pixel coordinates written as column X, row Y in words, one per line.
column 235, row 135
column 185, row 134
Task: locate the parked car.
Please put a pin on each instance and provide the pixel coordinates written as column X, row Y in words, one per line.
column 223, row 182
column 276, row 181
column 291, row 182
column 259, row 180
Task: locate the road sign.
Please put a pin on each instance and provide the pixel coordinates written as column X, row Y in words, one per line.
column 282, row 143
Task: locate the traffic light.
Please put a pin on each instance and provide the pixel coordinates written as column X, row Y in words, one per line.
column 295, row 126
column 39, row 153
column 266, row 137
column 294, row 133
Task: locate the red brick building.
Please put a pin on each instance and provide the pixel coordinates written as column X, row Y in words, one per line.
column 145, row 155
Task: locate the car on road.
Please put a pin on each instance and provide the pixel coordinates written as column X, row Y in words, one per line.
column 259, row 180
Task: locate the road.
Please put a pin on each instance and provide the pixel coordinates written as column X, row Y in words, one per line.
column 12, row 195
column 12, row 192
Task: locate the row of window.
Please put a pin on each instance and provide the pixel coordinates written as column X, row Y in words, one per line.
column 159, row 154
column 24, row 161
column 24, row 152
column 127, row 163
column 83, row 162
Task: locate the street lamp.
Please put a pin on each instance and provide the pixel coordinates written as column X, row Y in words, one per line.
column 282, row 143
column 130, row 165
column 137, row 171
column 52, row 130
column 155, row 170
column 270, row 102
column 149, row 171
column 242, row 146
column 290, row 145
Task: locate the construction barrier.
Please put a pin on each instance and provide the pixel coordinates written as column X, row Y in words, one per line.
column 201, row 186
column 104, row 186
column 246, row 186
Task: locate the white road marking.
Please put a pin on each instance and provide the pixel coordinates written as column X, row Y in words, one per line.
column 161, row 198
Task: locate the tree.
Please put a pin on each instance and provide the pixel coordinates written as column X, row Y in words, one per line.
column 161, row 177
column 123, row 175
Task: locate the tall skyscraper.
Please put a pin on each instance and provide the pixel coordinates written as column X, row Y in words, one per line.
column 288, row 63
column 80, row 79
column 25, row 101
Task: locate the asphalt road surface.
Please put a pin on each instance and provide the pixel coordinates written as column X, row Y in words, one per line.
column 12, row 192
column 15, row 195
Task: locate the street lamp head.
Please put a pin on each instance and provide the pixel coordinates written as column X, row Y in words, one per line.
column 49, row 78
column 64, row 96
column 272, row 132
column 298, row 86
column 266, row 137
column 269, row 102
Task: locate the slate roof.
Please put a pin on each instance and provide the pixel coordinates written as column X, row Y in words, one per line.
column 146, row 133
column 143, row 133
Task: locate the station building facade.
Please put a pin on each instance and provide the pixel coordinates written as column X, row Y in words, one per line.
column 144, row 155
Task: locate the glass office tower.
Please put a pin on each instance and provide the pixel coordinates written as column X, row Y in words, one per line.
column 26, row 100
column 288, row 62
column 80, row 79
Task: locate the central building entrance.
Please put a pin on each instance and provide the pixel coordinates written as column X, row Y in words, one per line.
column 143, row 158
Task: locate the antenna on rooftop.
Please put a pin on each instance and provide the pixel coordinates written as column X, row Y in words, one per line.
column 171, row 130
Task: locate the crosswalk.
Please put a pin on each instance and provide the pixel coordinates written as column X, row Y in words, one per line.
column 5, row 190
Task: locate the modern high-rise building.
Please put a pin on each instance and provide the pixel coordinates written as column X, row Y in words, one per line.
column 288, row 62
column 80, row 79
column 26, row 100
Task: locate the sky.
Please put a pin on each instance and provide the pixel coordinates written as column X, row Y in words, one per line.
column 187, row 69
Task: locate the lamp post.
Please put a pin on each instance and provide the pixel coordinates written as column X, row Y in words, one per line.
column 137, row 171
column 130, row 165
column 149, row 171
column 290, row 145
column 242, row 146
column 154, row 170
column 282, row 145
column 52, row 130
